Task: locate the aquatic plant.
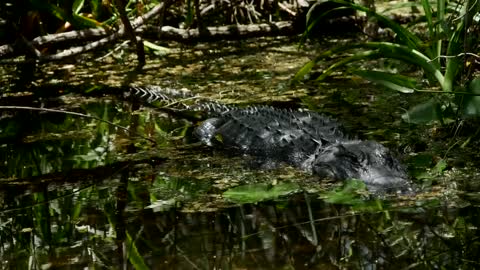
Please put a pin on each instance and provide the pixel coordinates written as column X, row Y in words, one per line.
column 442, row 55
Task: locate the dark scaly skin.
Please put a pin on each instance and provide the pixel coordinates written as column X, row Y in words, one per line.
column 308, row 140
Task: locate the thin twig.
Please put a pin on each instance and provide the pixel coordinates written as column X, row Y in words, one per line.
column 454, row 56
column 113, row 51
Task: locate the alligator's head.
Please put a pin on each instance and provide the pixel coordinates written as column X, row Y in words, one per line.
column 368, row 161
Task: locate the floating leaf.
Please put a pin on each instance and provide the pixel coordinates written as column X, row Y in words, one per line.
column 259, row 192
column 351, row 193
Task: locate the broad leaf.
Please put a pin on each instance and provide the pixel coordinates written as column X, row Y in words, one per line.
column 351, row 193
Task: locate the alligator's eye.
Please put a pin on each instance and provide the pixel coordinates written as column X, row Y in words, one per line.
column 362, row 157
column 325, row 171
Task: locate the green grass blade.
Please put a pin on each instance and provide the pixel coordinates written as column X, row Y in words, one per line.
column 304, row 70
column 427, row 9
column 455, row 47
column 346, row 60
column 77, row 6
column 326, row 54
column 134, row 256
column 80, row 22
column 412, row 56
column 395, row 82
column 377, row 50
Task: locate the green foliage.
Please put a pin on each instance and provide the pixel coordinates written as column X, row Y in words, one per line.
column 440, row 55
column 259, row 192
column 351, row 193
column 396, row 82
column 424, row 112
column 471, row 103
column 67, row 11
column 156, row 49
column 134, row 256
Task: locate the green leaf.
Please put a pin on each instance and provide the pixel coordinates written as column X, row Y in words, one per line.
column 396, row 82
column 471, row 103
column 354, row 58
column 190, row 13
column 80, row 21
column 77, row 6
column 421, row 160
column 377, row 50
column 159, row 49
column 440, row 167
column 259, row 192
column 427, row 9
column 51, row 9
column 134, row 256
column 424, row 113
column 304, row 70
column 403, row 34
column 352, row 193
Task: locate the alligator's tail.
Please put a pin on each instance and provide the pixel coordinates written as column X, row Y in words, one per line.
column 176, row 99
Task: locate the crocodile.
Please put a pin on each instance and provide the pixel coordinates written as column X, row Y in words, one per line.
column 308, row 140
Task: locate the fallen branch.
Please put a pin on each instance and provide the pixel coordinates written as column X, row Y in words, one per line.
column 85, row 35
column 282, row 28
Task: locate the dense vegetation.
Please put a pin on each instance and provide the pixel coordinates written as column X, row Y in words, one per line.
column 88, row 181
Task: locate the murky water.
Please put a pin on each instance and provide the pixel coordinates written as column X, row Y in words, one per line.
column 127, row 187
column 83, row 193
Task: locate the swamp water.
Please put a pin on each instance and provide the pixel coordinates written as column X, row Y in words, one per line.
column 78, row 192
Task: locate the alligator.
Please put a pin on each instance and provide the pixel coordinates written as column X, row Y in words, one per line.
column 308, row 140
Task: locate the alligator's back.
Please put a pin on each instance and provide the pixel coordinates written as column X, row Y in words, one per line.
column 272, row 134
column 266, row 132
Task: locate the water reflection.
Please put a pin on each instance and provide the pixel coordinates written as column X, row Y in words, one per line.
column 109, row 224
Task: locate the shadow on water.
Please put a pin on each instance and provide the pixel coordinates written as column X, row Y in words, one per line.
column 77, row 193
